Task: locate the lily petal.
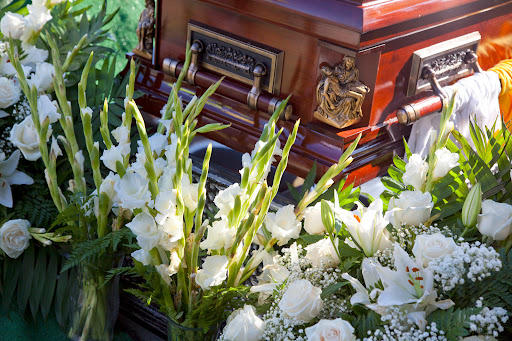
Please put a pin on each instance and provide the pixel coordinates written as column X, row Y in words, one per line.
column 5, row 194
column 8, row 166
column 19, row 178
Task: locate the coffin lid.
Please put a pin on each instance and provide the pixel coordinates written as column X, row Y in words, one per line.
column 356, row 23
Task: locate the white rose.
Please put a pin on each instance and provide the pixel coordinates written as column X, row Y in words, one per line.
column 14, row 237
column 313, row 219
column 143, row 226
column 219, row 236
column 322, row 253
column 495, row 220
column 282, row 225
column 412, row 208
column 133, row 191
column 111, row 156
column 42, row 79
column 12, row 24
column 213, row 272
column 331, row 330
column 430, row 247
column 47, row 109
column 302, row 300
column 415, row 172
column 244, row 325
column 24, row 136
column 9, row 93
column 446, row 160
column 142, row 256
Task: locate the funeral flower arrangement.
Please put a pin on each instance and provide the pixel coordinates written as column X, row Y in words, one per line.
column 428, row 260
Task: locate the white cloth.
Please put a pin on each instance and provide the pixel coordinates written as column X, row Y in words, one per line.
column 476, row 98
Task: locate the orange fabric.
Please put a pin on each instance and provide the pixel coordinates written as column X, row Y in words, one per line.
column 504, row 71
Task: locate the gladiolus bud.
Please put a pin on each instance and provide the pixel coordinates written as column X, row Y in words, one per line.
column 472, row 206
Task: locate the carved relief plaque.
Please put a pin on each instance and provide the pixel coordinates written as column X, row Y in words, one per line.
column 146, row 31
column 340, row 94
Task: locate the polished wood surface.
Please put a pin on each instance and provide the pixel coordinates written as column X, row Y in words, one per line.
column 382, row 35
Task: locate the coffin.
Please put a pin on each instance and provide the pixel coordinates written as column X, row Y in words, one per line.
column 349, row 66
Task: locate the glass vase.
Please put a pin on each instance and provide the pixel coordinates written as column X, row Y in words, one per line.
column 176, row 332
column 96, row 306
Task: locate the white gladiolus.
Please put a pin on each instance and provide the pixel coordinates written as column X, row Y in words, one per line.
column 415, row 172
column 331, row 330
column 143, row 226
column 14, row 237
column 24, row 136
column 431, row 247
column 42, row 79
column 34, row 56
column 9, row 93
column 121, row 134
column 446, row 160
column 165, row 204
column 133, row 191
column 219, row 236
column 213, row 272
column 322, row 254
column 410, row 208
column 244, row 325
column 302, row 301
column 282, row 225
column 37, row 17
column 189, row 193
column 111, row 156
column 47, row 109
column 107, row 187
column 225, row 199
column 12, row 24
column 142, row 256
column 495, row 220
column 10, row 176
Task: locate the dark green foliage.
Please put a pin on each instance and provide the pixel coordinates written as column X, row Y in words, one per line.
column 454, row 322
column 35, row 204
column 30, row 282
column 15, row 6
column 365, row 320
column 220, row 302
column 91, row 250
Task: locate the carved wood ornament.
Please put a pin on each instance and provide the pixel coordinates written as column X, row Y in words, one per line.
column 146, row 31
column 340, row 94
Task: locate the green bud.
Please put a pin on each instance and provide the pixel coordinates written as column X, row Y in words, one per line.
column 327, row 216
column 472, row 206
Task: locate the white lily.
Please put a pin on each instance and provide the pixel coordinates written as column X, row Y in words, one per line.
column 367, row 226
column 367, row 295
column 10, row 176
column 410, row 283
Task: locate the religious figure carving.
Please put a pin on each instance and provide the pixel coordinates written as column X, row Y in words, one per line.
column 146, row 31
column 340, row 94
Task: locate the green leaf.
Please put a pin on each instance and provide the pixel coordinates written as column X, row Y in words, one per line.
column 331, row 289
column 311, row 238
column 50, row 284
column 38, row 281
column 25, row 281
column 347, row 251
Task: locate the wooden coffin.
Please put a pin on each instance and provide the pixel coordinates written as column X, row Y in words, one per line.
column 307, row 49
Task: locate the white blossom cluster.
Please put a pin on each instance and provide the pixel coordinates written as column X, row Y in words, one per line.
column 471, row 261
column 406, row 236
column 20, row 111
column 431, row 333
column 488, row 321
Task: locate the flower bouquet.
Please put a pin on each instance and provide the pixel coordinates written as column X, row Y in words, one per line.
column 422, row 263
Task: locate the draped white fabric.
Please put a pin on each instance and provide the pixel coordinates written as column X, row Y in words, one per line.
column 476, row 99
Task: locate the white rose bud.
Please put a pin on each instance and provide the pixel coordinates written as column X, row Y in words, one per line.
column 302, row 300
column 331, row 330
column 24, row 136
column 413, row 208
column 244, row 325
column 14, row 237
column 446, row 160
column 322, row 254
column 9, row 93
column 313, row 219
column 282, row 225
column 143, row 226
column 431, row 247
column 213, row 273
column 415, row 172
column 12, row 24
column 495, row 220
